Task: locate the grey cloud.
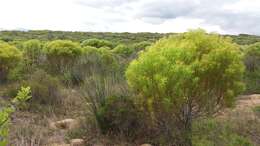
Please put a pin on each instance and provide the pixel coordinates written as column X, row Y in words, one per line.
column 159, row 11
column 166, row 9
column 212, row 12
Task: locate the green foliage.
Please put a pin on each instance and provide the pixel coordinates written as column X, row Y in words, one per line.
column 98, row 43
column 123, row 50
column 193, row 64
column 9, row 56
column 92, row 60
column 187, row 75
column 22, row 96
column 142, row 45
column 33, row 50
column 4, row 123
column 211, row 132
column 119, row 115
column 62, row 53
column 45, row 90
column 252, row 62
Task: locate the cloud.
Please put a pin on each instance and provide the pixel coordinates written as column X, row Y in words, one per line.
column 232, row 16
column 166, row 9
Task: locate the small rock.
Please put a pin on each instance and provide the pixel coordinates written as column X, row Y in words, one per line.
column 56, row 144
column 146, row 144
column 77, row 142
column 64, row 124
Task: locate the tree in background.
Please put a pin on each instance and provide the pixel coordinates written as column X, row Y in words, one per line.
column 97, row 43
column 33, row 51
column 9, row 56
column 62, row 53
column 123, row 50
column 186, row 76
column 252, row 62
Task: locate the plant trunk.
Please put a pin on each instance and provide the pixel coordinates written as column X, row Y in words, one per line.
column 187, row 126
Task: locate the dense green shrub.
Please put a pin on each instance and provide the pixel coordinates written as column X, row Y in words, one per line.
column 141, row 45
column 187, row 76
column 98, row 43
column 9, row 57
column 211, row 132
column 119, row 114
column 92, row 60
column 33, row 51
column 252, row 62
column 123, row 50
column 61, row 54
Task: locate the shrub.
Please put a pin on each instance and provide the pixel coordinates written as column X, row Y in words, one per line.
column 97, row 43
column 211, row 132
column 118, row 115
column 92, row 60
column 61, row 54
column 252, row 62
column 123, row 50
column 141, row 45
column 46, row 90
column 33, row 51
column 9, row 56
column 187, row 76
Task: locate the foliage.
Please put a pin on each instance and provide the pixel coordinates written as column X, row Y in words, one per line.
column 9, row 56
column 4, row 123
column 92, row 60
column 119, row 115
column 142, row 45
column 33, row 51
column 98, row 43
column 61, row 54
column 252, row 62
column 188, row 75
column 123, row 50
column 211, row 132
column 46, row 90
column 127, row 38
column 22, row 96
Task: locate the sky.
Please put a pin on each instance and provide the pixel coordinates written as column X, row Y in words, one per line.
column 221, row 16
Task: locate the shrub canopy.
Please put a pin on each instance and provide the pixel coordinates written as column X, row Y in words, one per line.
column 185, row 76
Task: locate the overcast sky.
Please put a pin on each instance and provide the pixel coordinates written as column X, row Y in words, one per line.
column 223, row 16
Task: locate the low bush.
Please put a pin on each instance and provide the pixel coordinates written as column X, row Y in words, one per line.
column 252, row 62
column 46, row 90
column 118, row 114
column 141, row 45
column 211, row 132
column 9, row 57
column 98, row 43
column 123, row 50
column 61, row 54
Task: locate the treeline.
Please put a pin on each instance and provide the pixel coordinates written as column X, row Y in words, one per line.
column 46, row 35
